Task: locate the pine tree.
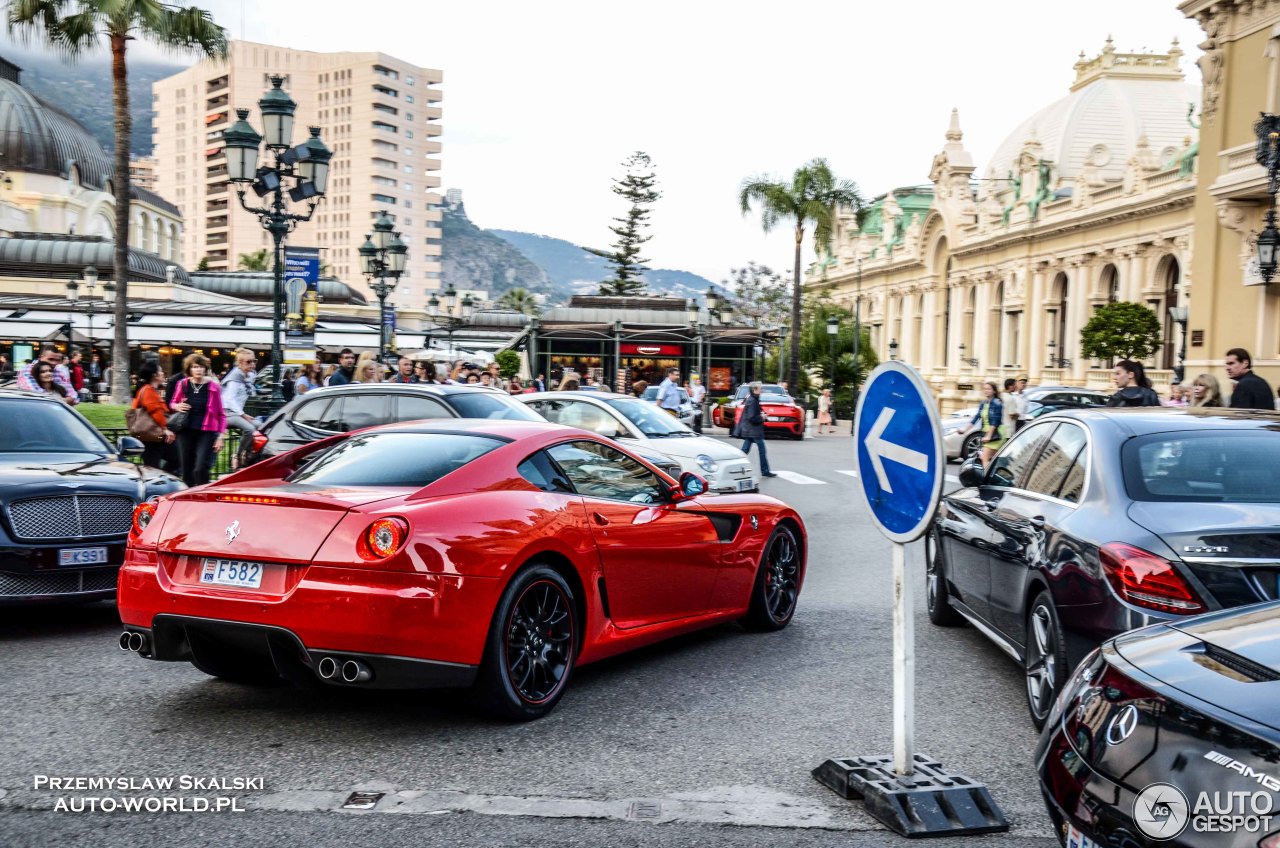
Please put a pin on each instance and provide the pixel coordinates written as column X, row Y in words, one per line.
column 637, row 187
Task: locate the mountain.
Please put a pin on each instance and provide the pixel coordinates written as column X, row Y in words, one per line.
column 477, row 259
column 574, row 271
column 83, row 90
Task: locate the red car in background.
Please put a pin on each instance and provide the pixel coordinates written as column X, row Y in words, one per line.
column 495, row 555
column 782, row 415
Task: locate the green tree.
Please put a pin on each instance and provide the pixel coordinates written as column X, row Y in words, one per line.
column 203, row 264
column 637, row 187
column 760, row 296
column 520, row 300
column 508, row 363
column 1121, row 330
column 259, row 260
column 75, row 27
column 810, row 199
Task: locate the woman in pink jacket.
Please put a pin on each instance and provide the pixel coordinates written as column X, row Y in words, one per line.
column 200, row 397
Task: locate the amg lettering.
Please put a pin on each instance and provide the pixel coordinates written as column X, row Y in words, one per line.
column 1244, row 770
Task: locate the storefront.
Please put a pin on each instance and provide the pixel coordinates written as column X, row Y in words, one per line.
column 619, row 341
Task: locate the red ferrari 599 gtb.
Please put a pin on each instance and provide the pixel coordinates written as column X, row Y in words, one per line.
column 495, row 555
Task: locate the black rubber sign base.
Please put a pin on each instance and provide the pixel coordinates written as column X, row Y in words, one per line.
column 931, row 802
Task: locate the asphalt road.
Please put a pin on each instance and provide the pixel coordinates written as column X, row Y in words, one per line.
column 707, row 740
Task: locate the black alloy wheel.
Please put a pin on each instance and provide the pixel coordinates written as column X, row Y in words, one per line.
column 1046, row 658
column 777, row 586
column 532, row 646
column 937, row 597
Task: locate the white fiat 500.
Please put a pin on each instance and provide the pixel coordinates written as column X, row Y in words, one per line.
column 642, row 424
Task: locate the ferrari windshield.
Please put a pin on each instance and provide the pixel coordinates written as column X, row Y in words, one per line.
column 651, row 420
column 394, row 459
column 38, row 426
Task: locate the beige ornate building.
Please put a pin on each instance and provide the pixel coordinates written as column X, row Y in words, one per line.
column 1089, row 200
column 1241, row 69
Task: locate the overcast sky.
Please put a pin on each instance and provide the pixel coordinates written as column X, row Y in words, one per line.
column 542, row 101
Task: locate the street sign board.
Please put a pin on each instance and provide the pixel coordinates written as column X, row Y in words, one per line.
column 900, row 457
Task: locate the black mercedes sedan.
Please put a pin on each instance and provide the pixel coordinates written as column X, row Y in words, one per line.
column 1170, row 736
column 1090, row 523
column 66, row 500
column 321, row 413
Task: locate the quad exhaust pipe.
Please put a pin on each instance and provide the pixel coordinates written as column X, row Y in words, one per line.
column 132, row 642
column 350, row 671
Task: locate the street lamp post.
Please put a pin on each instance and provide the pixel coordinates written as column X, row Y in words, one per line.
column 833, row 330
column 383, row 256
column 972, row 362
column 307, row 164
column 1179, row 316
column 453, row 315
column 1267, row 130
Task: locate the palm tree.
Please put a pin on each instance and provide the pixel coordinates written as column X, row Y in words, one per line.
column 75, row 27
column 811, row 198
column 520, row 300
column 259, row 260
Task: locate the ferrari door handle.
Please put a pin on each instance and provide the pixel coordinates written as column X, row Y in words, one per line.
column 599, row 519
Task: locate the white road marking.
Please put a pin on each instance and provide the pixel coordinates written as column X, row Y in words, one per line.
column 951, row 478
column 848, row 471
column 800, row 479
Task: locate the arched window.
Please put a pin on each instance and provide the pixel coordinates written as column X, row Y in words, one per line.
column 1110, row 283
column 1170, row 271
column 1061, row 300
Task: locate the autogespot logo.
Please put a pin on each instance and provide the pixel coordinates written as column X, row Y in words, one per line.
column 1161, row 811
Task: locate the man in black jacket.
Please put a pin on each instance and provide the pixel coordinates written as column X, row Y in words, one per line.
column 346, row 370
column 1251, row 391
column 751, row 428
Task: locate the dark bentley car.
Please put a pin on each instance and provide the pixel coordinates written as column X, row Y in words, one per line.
column 1170, row 736
column 1089, row 523
column 321, row 413
column 66, row 499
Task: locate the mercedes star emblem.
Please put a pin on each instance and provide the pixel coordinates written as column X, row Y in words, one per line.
column 233, row 530
column 1122, row 725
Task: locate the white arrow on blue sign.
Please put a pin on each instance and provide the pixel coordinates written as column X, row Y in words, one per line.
column 899, row 451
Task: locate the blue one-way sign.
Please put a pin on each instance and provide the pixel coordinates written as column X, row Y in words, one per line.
column 899, row 451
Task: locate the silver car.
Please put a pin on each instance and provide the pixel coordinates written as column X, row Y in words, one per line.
column 640, row 424
column 687, row 411
column 957, row 443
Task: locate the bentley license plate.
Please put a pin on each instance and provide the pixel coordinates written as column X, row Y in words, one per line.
column 82, row 556
column 746, row 485
column 231, row 572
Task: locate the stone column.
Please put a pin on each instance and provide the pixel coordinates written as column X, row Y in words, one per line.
column 1036, row 333
column 983, row 332
column 1080, row 281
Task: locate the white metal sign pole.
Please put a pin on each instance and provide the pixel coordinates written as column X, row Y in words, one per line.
column 904, row 667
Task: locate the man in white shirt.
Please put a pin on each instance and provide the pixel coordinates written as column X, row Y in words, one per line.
column 669, row 393
column 697, row 392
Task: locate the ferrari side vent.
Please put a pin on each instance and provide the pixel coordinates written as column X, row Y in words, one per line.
column 604, row 598
column 1240, row 665
column 726, row 525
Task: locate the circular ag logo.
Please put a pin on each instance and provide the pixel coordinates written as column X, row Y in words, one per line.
column 1161, row 811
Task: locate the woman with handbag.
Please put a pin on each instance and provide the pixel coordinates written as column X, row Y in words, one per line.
column 148, row 420
column 202, row 421
column 989, row 417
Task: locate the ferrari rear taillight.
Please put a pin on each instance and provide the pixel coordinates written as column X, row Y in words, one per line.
column 1146, row 580
column 383, row 539
column 142, row 515
column 259, row 440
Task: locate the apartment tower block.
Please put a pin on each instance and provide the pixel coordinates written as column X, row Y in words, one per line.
column 379, row 115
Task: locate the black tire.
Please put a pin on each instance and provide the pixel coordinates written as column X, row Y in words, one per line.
column 777, row 586
column 798, row 437
column 231, row 665
column 972, row 444
column 1046, row 658
column 937, row 598
column 531, row 648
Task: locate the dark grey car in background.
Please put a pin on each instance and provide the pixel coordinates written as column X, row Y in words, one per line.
column 1091, row 523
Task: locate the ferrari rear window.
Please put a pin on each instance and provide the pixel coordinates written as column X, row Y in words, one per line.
column 394, row 459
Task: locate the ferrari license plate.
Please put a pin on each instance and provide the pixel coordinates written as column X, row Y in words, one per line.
column 746, row 485
column 778, row 418
column 82, row 556
column 231, row 572
column 1076, row 839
